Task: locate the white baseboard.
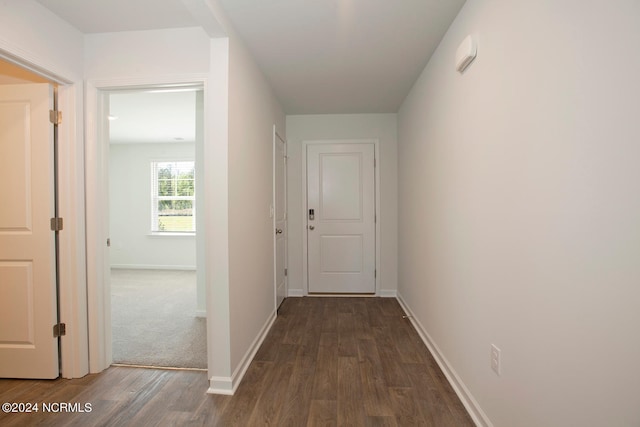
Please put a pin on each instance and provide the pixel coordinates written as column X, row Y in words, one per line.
column 388, row 293
column 221, row 385
column 229, row 385
column 295, row 293
column 152, row 267
column 473, row 408
column 384, row 293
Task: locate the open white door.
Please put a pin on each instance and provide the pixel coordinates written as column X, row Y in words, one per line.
column 341, row 235
column 280, row 215
column 28, row 306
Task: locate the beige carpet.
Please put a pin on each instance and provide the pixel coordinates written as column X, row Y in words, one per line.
column 153, row 319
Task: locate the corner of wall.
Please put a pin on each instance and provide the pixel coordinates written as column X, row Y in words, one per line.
column 229, row 385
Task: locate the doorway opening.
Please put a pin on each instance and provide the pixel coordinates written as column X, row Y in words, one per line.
column 158, row 308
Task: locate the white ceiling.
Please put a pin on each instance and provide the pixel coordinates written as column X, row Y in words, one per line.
column 156, row 116
column 106, row 16
column 321, row 56
column 342, row 56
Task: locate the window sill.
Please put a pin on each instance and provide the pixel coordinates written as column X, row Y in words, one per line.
column 170, row 234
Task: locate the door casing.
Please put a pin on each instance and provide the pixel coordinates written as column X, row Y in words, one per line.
column 73, row 291
column 98, row 290
column 277, row 139
column 305, row 144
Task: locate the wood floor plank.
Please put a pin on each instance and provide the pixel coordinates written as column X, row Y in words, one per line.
column 174, row 397
column 375, row 397
column 312, row 337
column 347, row 339
column 330, row 314
column 406, row 406
column 269, row 348
column 433, row 406
column 239, row 410
column 297, row 401
column 323, row 413
column 136, row 401
column 381, row 422
column 326, row 362
column 394, row 374
column 266, row 409
column 210, row 410
column 350, row 408
column 325, row 381
column 410, row 348
column 453, row 404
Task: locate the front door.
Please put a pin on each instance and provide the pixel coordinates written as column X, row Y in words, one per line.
column 28, row 310
column 340, row 216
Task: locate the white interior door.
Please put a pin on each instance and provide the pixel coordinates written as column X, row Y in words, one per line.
column 280, row 214
column 28, row 304
column 341, row 218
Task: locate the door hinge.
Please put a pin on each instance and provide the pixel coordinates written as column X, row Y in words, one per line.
column 286, row 271
column 56, row 224
column 59, row 330
column 55, row 117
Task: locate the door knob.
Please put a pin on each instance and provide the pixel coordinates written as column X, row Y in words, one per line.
column 278, row 231
column 311, row 227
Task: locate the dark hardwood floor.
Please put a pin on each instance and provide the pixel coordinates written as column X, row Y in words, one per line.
column 326, row 362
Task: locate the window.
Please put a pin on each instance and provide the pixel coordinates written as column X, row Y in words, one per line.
column 173, row 197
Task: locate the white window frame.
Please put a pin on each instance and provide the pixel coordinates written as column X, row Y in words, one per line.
column 155, row 198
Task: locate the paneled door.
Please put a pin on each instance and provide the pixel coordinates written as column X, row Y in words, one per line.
column 280, row 215
column 28, row 307
column 340, row 218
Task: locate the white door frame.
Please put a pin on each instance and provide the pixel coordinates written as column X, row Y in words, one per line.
column 305, row 259
column 98, row 293
column 73, row 306
column 274, row 211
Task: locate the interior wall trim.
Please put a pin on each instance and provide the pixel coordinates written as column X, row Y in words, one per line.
column 294, row 293
column 152, row 267
column 98, row 297
column 388, row 293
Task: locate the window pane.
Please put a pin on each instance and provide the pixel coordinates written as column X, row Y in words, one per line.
column 185, row 187
column 175, row 215
column 165, row 187
column 173, row 197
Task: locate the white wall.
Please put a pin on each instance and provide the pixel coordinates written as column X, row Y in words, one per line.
column 344, row 126
column 132, row 244
column 18, row 39
column 146, row 54
column 253, row 110
column 519, row 207
column 216, row 207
